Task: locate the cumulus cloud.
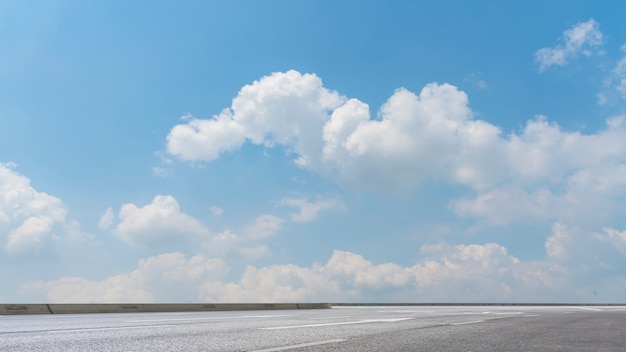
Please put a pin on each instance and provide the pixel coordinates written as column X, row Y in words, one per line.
column 570, row 271
column 162, row 224
column 555, row 174
column 447, row 273
column 415, row 138
column 280, row 109
column 308, row 210
column 432, row 134
column 245, row 244
column 582, row 38
column 32, row 222
column 157, row 224
column 547, row 173
column 170, row 277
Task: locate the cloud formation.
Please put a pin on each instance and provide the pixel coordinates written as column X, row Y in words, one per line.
column 32, row 223
column 169, row 277
column 582, row 38
column 280, row 109
column 446, row 273
column 156, row 225
column 554, row 174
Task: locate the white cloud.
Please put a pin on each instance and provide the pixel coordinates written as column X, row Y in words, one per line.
column 583, row 38
column 307, row 210
column 120, row 288
column 228, row 244
column 107, row 219
column 33, row 235
column 454, row 273
column 433, row 135
column 546, row 173
column 161, row 224
column 169, row 277
column 503, row 206
column 615, row 238
column 556, row 245
column 571, row 271
column 32, row 222
column 264, row 226
column 415, row 138
column 157, row 224
column 280, row 109
column 75, row 234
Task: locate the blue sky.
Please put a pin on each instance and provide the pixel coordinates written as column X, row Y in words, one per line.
column 288, row 151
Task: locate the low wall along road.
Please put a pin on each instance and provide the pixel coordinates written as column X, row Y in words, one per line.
column 17, row 309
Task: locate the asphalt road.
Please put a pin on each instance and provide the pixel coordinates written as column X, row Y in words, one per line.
column 487, row 328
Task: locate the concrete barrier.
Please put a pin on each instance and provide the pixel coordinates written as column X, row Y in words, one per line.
column 64, row 308
column 20, row 309
column 314, row 306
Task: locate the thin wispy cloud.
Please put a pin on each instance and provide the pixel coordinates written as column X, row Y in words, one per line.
column 584, row 38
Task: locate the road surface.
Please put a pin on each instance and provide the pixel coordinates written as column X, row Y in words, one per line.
column 423, row 328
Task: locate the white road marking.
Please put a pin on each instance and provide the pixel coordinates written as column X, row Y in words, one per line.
column 368, row 321
column 587, row 308
column 531, row 315
column 285, row 348
column 207, row 318
column 407, row 311
column 468, row 322
column 106, row 329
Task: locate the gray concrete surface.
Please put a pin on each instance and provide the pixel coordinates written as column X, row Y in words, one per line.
column 391, row 328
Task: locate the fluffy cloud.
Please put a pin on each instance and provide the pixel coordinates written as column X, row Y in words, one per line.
column 547, row 173
column 245, row 245
column 415, row 138
column 583, row 38
column 446, row 273
column 279, row 109
column 157, row 224
column 558, row 175
column 32, row 222
column 169, row 277
column 307, row 210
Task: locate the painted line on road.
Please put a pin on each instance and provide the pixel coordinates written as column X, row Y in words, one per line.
column 531, row 315
column 468, row 322
column 587, row 308
column 292, row 347
column 208, row 318
column 106, row 329
column 407, row 311
column 369, row 321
